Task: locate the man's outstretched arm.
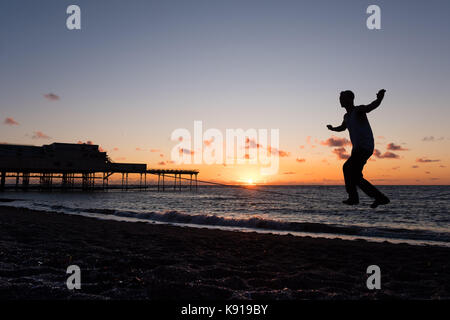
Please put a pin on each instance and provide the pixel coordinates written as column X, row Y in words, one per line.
column 342, row 127
column 375, row 104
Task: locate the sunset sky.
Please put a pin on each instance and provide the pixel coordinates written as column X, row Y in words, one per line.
column 138, row 70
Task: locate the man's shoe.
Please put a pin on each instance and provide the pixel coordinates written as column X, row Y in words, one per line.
column 380, row 201
column 350, row 201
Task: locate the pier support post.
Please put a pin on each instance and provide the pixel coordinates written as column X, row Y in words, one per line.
column 3, row 181
column 17, row 180
column 84, row 181
column 25, row 180
column 64, row 181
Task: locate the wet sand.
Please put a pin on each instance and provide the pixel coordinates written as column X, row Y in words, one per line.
column 121, row 260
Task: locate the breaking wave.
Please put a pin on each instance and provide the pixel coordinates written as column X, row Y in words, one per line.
column 259, row 223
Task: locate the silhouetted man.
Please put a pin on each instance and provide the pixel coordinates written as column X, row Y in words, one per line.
column 355, row 120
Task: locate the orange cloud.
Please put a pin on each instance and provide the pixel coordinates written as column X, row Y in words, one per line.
column 300, row 160
column 251, row 143
column 386, row 155
column 423, row 160
column 40, row 135
column 336, row 142
column 11, row 122
column 186, row 151
column 87, row 142
column 209, row 142
column 280, row 153
column 341, row 153
column 392, row 146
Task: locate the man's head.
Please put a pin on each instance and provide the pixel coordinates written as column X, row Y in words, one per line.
column 347, row 99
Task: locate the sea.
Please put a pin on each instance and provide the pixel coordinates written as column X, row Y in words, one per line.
column 417, row 215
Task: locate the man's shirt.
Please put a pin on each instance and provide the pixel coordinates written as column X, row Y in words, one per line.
column 359, row 128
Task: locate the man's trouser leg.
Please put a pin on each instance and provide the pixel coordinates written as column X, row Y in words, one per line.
column 350, row 182
column 360, row 158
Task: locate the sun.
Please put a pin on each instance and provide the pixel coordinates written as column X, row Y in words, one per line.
column 250, row 182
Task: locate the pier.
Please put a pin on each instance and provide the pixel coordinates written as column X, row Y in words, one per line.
column 81, row 166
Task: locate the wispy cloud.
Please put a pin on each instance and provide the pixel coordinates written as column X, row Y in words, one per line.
column 207, row 143
column 280, row 153
column 432, row 138
column 51, row 97
column 300, row 160
column 336, row 142
column 424, row 160
column 386, row 155
column 87, row 142
column 341, row 153
column 395, row 147
column 163, row 163
column 185, row 151
column 251, row 143
column 11, row 122
column 40, row 135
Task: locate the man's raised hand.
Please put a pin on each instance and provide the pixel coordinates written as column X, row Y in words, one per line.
column 380, row 94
